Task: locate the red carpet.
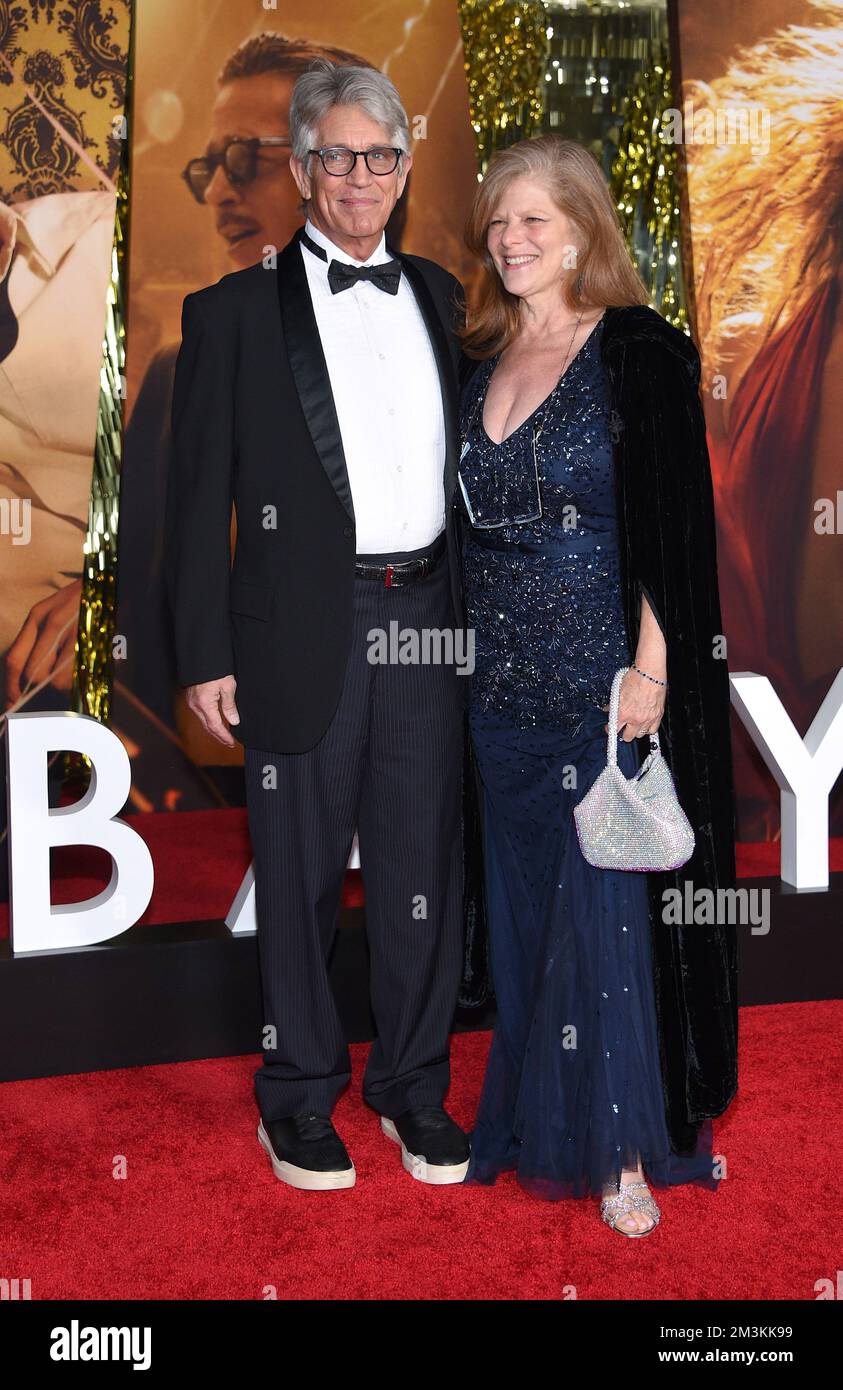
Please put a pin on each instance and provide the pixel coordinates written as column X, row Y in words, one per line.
column 199, row 1214
column 200, row 858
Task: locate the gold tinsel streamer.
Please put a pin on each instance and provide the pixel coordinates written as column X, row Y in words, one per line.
column 506, row 46
column 97, row 612
column 644, row 185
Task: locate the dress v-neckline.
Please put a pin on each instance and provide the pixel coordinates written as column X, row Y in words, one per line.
column 498, row 443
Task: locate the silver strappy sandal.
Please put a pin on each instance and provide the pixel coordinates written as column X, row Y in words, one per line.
column 624, row 1202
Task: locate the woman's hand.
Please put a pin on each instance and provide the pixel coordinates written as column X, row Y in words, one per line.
column 640, row 706
column 44, row 650
column 641, row 701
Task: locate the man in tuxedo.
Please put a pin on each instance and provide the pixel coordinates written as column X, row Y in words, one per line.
column 320, row 396
column 242, row 182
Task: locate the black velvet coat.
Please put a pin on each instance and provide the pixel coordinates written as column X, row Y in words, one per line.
column 666, row 532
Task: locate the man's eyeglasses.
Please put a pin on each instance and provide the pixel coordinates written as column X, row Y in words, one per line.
column 239, row 158
column 338, row 160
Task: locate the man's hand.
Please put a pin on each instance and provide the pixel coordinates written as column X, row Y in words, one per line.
column 207, row 699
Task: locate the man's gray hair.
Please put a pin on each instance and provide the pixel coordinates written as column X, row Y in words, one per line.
column 326, row 84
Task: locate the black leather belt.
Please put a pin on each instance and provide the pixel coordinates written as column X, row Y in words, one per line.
column 393, row 573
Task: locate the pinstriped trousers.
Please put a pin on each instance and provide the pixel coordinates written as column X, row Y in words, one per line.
column 390, row 766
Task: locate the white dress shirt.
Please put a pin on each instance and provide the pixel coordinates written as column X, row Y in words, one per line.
column 388, row 400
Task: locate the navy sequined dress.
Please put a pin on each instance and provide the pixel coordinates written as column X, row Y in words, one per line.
column 572, row 1091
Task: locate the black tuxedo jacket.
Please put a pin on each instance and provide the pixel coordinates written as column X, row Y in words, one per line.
column 254, row 423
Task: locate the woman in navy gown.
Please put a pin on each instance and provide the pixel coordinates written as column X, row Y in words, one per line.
column 572, row 1100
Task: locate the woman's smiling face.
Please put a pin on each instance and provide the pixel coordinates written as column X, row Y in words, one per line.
column 532, row 243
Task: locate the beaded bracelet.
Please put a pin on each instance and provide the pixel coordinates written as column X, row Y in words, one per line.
column 649, row 678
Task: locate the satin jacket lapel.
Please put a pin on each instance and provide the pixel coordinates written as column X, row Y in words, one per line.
column 309, row 368
column 444, row 363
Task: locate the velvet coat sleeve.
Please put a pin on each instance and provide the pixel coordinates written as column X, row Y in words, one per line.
column 666, row 533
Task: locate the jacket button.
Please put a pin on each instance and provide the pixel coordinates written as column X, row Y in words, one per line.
column 348, row 530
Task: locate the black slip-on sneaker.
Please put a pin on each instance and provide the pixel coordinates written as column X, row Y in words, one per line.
column 306, row 1152
column 433, row 1147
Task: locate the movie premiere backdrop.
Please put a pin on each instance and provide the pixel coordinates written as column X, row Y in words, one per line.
column 718, row 129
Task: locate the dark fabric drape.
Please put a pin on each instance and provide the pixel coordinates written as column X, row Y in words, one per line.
column 668, row 549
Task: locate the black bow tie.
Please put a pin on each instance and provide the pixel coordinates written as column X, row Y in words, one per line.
column 341, row 275
column 386, row 276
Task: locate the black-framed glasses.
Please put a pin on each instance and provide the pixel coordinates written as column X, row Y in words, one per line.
column 339, row 160
column 238, row 156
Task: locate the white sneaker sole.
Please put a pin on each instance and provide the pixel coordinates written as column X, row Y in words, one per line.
column 305, row 1178
column 417, row 1165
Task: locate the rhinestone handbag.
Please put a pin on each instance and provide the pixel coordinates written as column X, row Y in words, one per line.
column 633, row 822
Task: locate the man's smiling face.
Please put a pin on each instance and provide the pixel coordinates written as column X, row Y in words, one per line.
column 264, row 212
column 353, row 209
